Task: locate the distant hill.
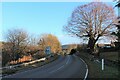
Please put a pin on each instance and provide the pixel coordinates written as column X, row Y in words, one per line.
column 69, row 46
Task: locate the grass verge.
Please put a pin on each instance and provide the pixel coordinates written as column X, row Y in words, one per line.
column 95, row 68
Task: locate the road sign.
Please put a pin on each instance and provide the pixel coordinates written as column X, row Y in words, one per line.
column 48, row 50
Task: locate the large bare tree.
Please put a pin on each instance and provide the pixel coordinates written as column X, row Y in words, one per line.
column 92, row 20
column 18, row 41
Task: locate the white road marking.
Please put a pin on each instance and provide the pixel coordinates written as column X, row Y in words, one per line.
column 61, row 66
column 57, row 69
column 86, row 74
column 68, row 60
column 86, row 67
column 86, row 70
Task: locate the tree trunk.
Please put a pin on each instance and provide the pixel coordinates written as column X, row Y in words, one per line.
column 91, row 44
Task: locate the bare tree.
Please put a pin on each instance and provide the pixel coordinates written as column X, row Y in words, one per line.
column 18, row 41
column 33, row 40
column 92, row 20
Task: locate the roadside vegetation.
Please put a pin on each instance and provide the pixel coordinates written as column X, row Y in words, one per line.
column 8, row 71
column 111, row 71
column 95, row 69
column 20, row 47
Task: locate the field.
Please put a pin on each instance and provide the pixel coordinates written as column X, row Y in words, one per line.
column 110, row 55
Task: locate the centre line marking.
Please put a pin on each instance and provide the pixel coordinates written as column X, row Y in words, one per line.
column 57, row 69
column 61, row 66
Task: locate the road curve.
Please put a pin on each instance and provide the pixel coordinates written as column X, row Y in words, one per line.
column 69, row 66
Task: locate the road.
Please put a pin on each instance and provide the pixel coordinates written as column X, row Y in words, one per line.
column 69, row 66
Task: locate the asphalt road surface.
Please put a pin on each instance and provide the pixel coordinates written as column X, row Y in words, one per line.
column 69, row 66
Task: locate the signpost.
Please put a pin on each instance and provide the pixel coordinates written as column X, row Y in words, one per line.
column 48, row 50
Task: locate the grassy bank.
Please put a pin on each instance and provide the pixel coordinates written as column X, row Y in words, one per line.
column 95, row 68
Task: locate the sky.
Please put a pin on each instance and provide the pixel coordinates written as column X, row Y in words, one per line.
column 56, row 0
column 39, row 18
